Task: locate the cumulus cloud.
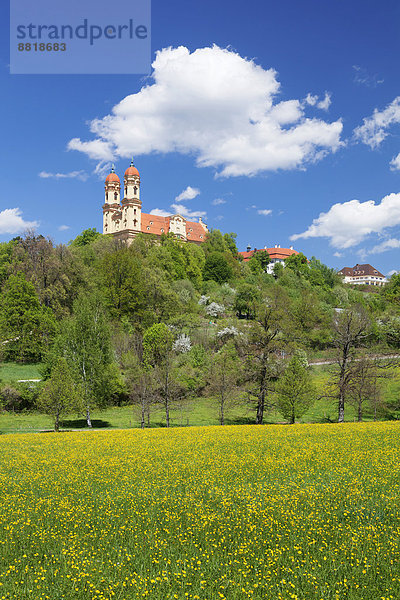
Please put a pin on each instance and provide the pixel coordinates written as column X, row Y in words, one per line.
column 188, row 194
column 218, row 201
column 159, row 212
column 338, row 254
column 82, row 175
column 264, row 211
column 11, row 221
column 218, row 106
column 63, row 227
column 325, row 103
column 96, row 149
column 185, row 212
column 349, row 223
column 374, row 128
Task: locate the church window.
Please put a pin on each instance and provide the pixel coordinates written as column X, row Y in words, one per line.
column 135, row 190
column 134, row 222
column 134, row 211
column 115, row 195
column 126, row 190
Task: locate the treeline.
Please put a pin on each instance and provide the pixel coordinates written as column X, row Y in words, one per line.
column 168, row 323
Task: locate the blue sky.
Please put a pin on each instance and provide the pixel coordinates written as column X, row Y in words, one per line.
column 282, row 121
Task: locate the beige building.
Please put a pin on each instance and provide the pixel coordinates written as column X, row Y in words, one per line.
column 124, row 218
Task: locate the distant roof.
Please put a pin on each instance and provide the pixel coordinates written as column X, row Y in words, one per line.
column 274, row 253
column 360, row 271
column 157, row 225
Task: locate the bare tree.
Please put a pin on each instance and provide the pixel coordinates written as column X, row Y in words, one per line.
column 365, row 384
column 350, row 327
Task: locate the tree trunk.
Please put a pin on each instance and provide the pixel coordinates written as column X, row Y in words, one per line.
column 221, row 411
column 88, row 420
column 341, row 408
column 57, row 422
column 167, row 398
column 359, row 411
column 143, row 413
column 260, row 408
column 292, row 417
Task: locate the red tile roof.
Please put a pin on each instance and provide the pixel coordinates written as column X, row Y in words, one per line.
column 195, row 232
column 274, row 253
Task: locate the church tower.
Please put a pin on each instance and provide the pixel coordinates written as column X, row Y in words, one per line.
column 131, row 203
column 111, row 206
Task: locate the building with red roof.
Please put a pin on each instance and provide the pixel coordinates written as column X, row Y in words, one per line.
column 276, row 254
column 124, row 218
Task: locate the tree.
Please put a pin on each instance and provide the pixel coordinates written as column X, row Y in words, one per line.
column 224, row 377
column 295, row 392
column 350, row 328
column 268, row 337
column 365, row 384
column 157, row 353
column 59, row 395
column 259, row 262
column 85, row 238
column 26, row 327
column 217, row 267
column 85, row 342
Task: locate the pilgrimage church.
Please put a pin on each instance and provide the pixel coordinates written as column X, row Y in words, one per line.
column 124, row 218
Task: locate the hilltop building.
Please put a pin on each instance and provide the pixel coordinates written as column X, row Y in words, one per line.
column 124, row 218
column 276, row 254
column 362, row 275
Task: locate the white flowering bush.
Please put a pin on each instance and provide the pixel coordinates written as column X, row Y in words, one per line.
column 204, row 300
column 228, row 332
column 214, row 309
column 182, row 343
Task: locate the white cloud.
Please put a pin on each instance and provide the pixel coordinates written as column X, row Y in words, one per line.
column 159, row 212
column 374, row 128
column 389, row 244
column 392, row 272
column 96, row 149
column 264, row 211
column 188, row 194
column 338, row 254
column 218, row 218
column 218, row 201
column 218, row 106
column 325, row 103
column 185, row 212
column 63, row 227
column 11, row 221
column 395, row 163
column 311, row 100
column 363, row 78
column 350, row 223
column 82, row 175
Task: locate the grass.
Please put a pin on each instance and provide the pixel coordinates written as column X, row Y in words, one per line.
column 303, row 512
column 11, row 372
column 198, row 412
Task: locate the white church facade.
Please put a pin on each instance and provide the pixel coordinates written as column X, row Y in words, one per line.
column 124, row 219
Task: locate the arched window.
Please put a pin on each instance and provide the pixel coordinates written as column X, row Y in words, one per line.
column 126, row 190
column 106, row 195
column 135, row 190
column 134, row 211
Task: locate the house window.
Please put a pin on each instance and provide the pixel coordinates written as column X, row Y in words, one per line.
column 190, row 229
column 151, row 222
column 201, row 237
column 148, row 228
column 162, row 230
